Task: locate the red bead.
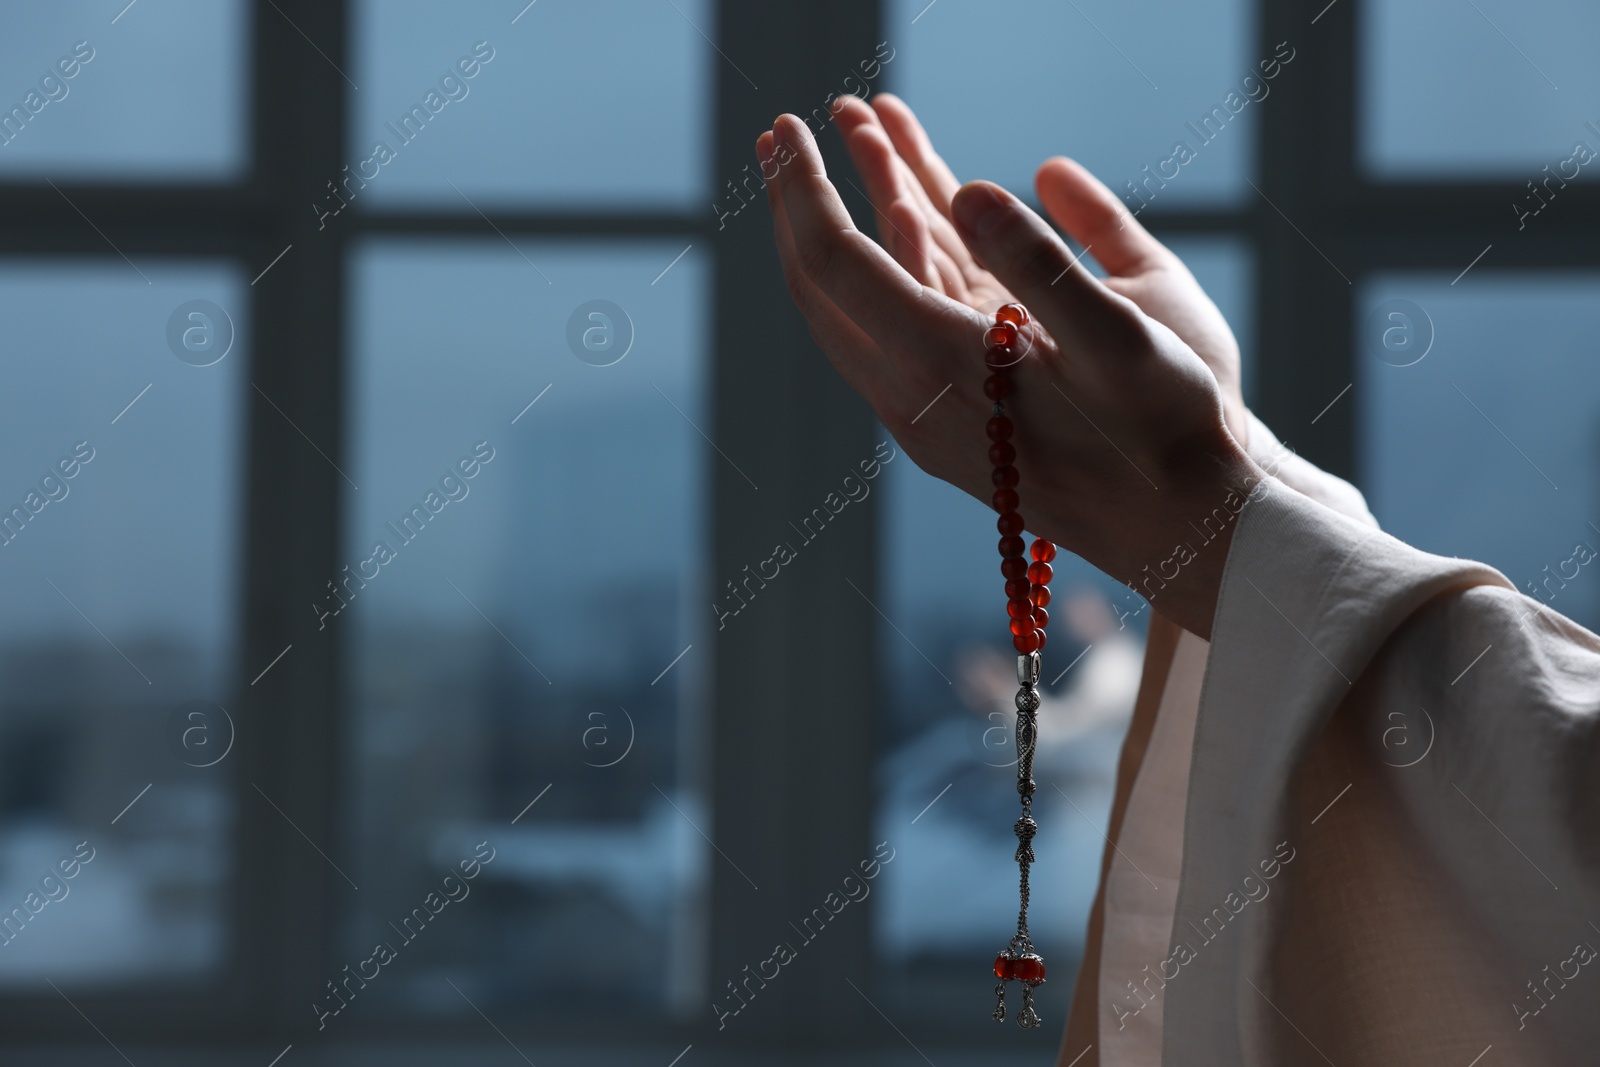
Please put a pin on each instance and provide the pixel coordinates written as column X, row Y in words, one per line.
column 997, row 387
column 1019, row 607
column 1003, row 454
column 1014, row 569
column 1004, row 477
column 1017, row 588
column 1043, row 550
column 1001, row 358
column 1041, row 618
column 999, row 428
column 1001, row 335
column 1028, row 969
column 1015, row 314
column 1011, row 547
column 1040, row 573
column 1009, row 523
column 1004, row 500
column 1039, row 594
column 1028, row 642
column 1042, row 639
column 1003, row 967
column 1022, row 626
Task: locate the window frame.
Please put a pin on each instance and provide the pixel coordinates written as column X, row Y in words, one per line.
column 793, row 690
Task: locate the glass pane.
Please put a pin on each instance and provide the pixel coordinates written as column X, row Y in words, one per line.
column 1117, row 86
column 1464, row 444
column 603, row 103
column 109, row 90
column 1488, row 88
column 528, row 458
column 119, row 462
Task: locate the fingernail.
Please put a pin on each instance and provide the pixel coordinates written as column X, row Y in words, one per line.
column 764, row 150
column 779, row 136
column 980, row 209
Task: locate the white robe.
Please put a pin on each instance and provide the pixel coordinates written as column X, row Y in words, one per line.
column 1362, row 825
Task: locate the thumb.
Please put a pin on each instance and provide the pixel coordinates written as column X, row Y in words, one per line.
column 1024, row 253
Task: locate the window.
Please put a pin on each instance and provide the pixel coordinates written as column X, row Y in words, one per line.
column 119, row 543
column 1473, row 411
column 1486, row 96
column 97, row 93
column 501, row 659
column 388, row 531
column 1479, row 424
column 554, row 112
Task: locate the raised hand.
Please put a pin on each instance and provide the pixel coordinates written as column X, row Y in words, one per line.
column 1119, row 424
column 911, row 188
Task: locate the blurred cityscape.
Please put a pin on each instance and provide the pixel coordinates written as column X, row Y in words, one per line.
column 533, row 672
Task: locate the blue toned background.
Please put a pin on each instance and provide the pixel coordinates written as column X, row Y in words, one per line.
column 539, row 665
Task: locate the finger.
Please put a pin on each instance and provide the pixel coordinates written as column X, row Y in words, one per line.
column 852, row 116
column 913, row 249
column 949, row 250
column 931, row 180
column 902, row 222
column 874, row 158
column 914, row 146
column 831, row 327
column 1092, row 215
column 850, row 113
column 1024, row 253
column 952, row 277
column 843, row 263
column 890, row 177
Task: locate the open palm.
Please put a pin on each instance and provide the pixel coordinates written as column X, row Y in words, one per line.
column 1120, row 429
column 911, row 188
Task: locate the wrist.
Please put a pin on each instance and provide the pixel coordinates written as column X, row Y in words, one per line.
column 1178, row 568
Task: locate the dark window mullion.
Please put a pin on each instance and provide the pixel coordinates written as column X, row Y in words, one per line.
column 793, row 704
column 290, row 900
column 1303, row 302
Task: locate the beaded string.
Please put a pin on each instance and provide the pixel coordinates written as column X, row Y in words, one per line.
column 1027, row 594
